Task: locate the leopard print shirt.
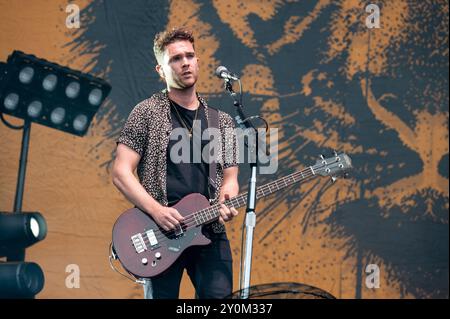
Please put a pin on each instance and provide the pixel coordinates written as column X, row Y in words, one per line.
column 147, row 131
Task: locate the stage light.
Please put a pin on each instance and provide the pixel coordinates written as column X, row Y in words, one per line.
column 34, row 109
column 80, row 122
column 49, row 94
column 95, row 97
column 20, row 279
column 49, row 82
column 11, row 101
column 57, row 116
column 20, row 230
column 26, row 75
column 73, row 89
column 46, row 93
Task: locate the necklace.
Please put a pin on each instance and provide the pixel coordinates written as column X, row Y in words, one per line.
column 182, row 121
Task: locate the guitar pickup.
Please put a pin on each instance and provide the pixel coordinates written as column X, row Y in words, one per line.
column 138, row 243
column 151, row 237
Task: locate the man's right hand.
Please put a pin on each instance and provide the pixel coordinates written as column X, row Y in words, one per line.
column 168, row 218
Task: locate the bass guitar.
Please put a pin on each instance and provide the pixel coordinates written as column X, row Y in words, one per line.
column 146, row 250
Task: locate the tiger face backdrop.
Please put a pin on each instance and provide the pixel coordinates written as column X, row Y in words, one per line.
column 314, row 70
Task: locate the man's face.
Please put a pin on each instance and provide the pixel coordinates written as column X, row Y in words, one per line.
column 179, row 66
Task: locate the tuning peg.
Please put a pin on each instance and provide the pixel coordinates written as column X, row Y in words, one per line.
column 333, row 179
column 335, row 153
column 322, row 157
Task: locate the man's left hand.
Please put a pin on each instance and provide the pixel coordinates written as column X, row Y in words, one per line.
column 227, row 214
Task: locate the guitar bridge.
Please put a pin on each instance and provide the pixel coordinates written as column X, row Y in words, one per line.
column 179, row 231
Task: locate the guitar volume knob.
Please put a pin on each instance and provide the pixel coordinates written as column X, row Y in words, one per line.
column 144, row 261
column 158, row 255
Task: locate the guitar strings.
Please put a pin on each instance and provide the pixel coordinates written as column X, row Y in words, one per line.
column 188, row 225
column 162, row 236
column 191, row 222
column 191, row 218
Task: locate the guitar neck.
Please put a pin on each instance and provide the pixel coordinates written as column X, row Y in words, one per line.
column 212, row 213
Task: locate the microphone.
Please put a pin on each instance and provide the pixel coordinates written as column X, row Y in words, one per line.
column 223, row 73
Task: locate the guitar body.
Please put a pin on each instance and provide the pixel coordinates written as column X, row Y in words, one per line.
column 146, row 250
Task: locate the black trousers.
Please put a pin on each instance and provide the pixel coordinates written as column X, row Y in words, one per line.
column 209, row 268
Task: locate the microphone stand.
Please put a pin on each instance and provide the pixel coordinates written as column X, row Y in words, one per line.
column 250, row 218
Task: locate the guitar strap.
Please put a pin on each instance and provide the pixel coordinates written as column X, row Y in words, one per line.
column 213, row 122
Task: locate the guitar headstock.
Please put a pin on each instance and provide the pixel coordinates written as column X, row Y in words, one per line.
column 335, row 166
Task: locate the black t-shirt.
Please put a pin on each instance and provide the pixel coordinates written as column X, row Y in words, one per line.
column 186, row 177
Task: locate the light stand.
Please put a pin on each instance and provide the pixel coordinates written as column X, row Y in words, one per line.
column 22, row 167
column 19, row 255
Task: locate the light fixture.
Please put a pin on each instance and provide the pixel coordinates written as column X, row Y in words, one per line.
column 58, row 114
column 26, row 75
column 80, row 122
column 20, row 230
column 46, row 93
column 34, row 109
column 49, row 82
column 73, row 89
column 49, row 94
column 11, row 101
column 20, row 279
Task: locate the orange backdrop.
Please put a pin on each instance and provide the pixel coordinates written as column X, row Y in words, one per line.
column 311, row 70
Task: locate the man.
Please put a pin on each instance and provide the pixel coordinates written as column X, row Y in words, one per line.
column 146, row 143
